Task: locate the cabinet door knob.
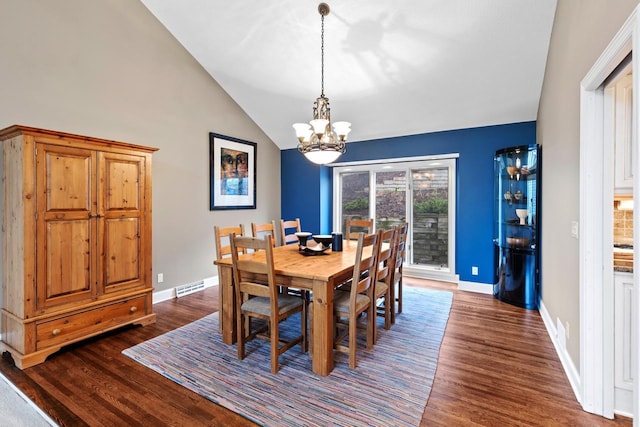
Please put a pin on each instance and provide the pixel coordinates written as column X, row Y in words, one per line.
column 56, row 332
column 133, row 309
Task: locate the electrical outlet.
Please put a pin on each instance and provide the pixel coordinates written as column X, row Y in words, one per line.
column 474, row 271
column 160, row 277
column 567, row 330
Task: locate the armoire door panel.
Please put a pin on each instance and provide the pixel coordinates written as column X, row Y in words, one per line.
column 122, row 264
column 121, row 204
column 122, row 177
column 68, row 263
column 68, row 178
column 65, row 226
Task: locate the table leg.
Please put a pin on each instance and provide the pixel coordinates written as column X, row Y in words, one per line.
column 220, row 299
column 392, row 299
column 227, row 305
column 322, row 362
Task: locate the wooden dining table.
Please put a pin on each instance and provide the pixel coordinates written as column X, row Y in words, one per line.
column 318, row 273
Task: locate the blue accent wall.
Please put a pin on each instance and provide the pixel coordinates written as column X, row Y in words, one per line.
column 326, row 200
column 307, row 188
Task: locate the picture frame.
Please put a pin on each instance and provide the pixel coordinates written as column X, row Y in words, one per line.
column 232, row 172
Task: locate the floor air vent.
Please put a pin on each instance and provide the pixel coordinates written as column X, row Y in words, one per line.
column 189, row 289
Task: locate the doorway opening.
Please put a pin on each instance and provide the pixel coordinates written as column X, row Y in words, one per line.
column 618, row 228
column 596, row 232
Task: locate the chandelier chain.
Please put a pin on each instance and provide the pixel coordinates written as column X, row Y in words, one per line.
column 322, row 57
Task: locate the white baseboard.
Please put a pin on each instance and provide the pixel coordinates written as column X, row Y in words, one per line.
column 430, row 274
column 480, row 288
column 167, row 294
column 623, row 402
column 567, row 364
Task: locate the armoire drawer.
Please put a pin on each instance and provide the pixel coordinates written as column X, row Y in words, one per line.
column 73, row 327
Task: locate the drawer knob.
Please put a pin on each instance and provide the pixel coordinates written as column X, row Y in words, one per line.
column 56, row 332
column 133, row 309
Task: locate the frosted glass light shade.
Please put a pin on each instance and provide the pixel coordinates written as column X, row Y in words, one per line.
column 319, row 126
column 322, row 157
column 342, row 129
column 303, row 131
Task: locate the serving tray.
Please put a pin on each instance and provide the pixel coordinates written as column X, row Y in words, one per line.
column 316, row 250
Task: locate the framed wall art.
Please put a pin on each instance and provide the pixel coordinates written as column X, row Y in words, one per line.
column 232, row 170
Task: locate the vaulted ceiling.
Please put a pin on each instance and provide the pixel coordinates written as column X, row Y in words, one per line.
column 391, row 68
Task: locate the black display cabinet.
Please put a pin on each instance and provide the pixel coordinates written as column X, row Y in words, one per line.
column 517, row 225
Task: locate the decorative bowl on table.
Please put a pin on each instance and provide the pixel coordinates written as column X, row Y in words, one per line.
column 323, row 239
column 303, row 236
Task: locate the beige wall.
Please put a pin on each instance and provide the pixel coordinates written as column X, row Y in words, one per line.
column 581, row 31
column 109, row 69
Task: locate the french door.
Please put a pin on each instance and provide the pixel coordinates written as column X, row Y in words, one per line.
column 421, row 193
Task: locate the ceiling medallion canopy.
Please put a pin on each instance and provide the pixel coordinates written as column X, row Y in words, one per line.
column 317, row 141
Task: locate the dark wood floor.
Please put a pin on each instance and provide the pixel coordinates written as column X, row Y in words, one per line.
column 497, row 366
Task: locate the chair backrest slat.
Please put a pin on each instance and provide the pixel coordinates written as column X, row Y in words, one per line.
column 255, row 289
column 356, row 226
column 221, row 235
column 260, row 230
column 289, row 238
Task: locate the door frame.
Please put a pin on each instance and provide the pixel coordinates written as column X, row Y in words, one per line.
column 596, row 172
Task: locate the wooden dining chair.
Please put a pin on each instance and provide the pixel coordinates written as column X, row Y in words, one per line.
column 396, row 272
column 223, row 243
column 288, row 230
column 349, row 305
column 353, row 229
column 223, row 249
column 383, row 303
column 288, row 236
column 262, row 229
column 263, row 301
column 355, row 226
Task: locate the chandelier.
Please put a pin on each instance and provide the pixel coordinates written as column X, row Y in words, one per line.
column 317, row 141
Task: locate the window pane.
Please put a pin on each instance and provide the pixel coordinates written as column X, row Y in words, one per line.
column 391, row 199
column 430, row 217
column 355, row 196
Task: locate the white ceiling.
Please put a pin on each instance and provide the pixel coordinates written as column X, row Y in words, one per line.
column 391, row 68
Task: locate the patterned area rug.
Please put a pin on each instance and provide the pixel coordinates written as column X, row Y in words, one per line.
column 390, row 386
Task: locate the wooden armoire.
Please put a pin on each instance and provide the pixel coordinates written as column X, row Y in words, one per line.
column 76, row 239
